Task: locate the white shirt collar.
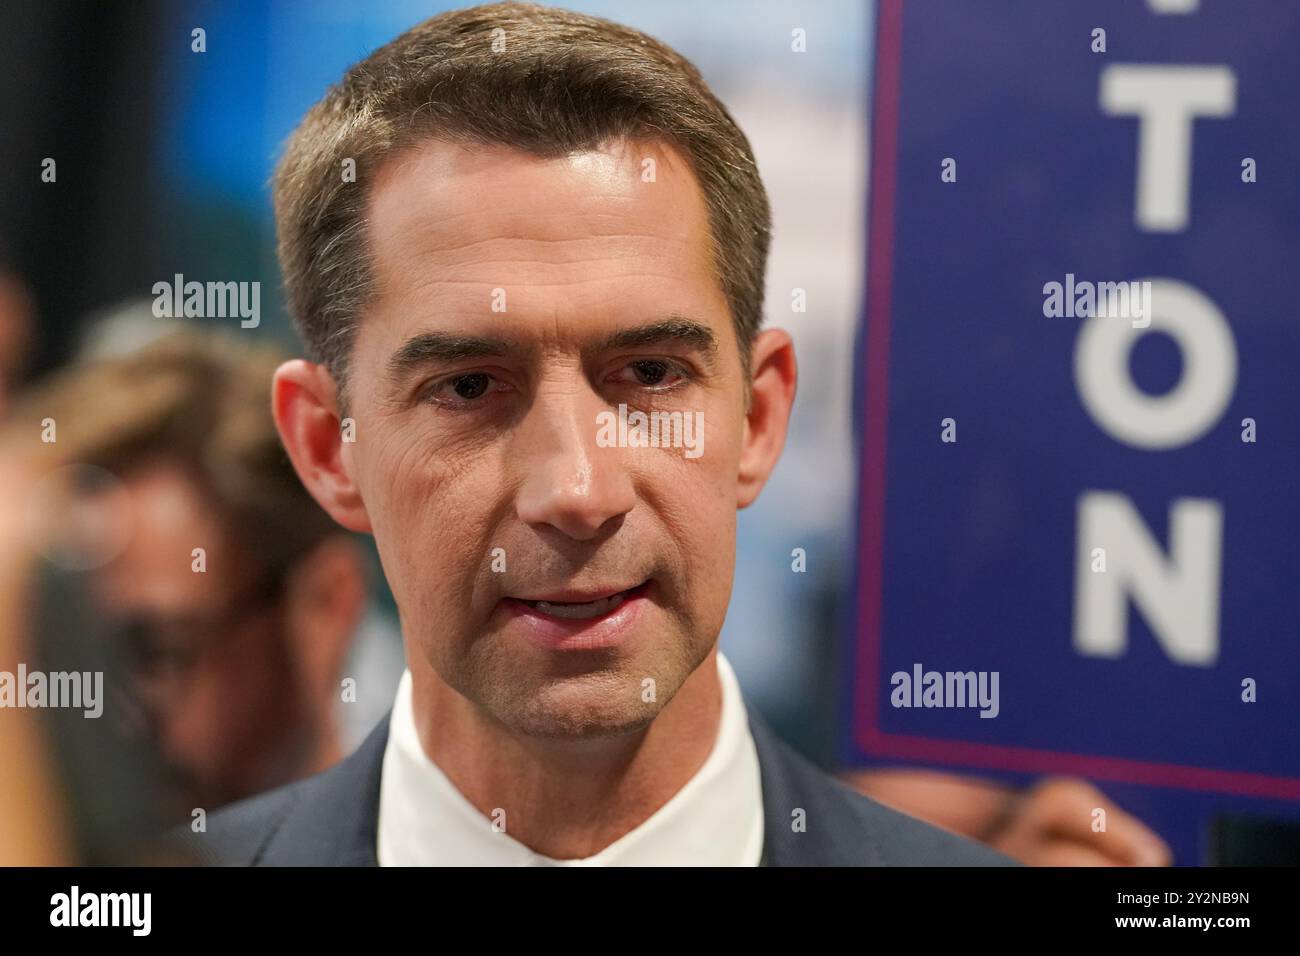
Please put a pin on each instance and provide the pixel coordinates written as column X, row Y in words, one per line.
column 716, row 819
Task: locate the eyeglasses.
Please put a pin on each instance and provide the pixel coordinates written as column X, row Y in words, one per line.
column 155, row 646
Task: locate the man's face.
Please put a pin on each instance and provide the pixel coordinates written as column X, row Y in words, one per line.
column 517, row 299
column 205, row 649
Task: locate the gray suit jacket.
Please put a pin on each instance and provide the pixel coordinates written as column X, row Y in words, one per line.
column 330, row 819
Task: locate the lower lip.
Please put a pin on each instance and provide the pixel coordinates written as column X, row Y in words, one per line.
column 592, row 634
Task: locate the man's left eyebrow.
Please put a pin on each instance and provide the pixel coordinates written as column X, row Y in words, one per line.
column 676, row 329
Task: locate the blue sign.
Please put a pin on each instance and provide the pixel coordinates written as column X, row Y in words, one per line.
column 1079, row 402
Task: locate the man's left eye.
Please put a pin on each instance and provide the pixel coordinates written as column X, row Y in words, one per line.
column 655, row 373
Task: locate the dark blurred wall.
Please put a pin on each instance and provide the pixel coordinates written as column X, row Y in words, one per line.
column 80, row 85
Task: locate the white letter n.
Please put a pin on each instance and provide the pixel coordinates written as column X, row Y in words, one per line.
column 1178, row 596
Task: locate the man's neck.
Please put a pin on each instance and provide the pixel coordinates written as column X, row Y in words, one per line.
column 568, row 799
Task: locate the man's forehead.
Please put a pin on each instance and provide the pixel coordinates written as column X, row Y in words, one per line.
column 449, row 199
column 169, row 515
column 618, row 164
column 479, row 240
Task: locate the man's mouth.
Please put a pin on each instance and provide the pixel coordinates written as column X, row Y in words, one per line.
column 575, row 606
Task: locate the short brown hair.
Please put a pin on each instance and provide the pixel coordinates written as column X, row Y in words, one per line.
column 201, row 401
column 564, row 82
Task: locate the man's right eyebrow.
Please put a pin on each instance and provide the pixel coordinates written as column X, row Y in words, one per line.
column 433, row 348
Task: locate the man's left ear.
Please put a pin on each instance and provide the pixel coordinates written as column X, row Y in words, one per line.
column 775, row 375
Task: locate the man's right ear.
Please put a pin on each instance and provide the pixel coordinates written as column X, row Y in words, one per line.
column 304, row 401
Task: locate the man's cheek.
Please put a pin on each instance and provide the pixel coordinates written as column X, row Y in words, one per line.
column 437, row 568
column 398, row 486
column 708, row 545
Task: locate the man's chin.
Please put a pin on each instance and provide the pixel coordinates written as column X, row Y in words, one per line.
column 577, row 713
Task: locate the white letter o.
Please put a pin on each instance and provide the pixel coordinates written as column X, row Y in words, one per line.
column 1193, row 405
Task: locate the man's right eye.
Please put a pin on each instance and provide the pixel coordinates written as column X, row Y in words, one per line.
column 460, row 390
column 471, row 386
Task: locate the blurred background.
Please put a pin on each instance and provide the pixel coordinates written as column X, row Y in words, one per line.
column 956, row 555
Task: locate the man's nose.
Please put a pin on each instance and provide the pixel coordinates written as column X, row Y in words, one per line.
column 570, row 482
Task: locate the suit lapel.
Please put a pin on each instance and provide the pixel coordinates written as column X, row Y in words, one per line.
column 807, row 820
column 334, row 820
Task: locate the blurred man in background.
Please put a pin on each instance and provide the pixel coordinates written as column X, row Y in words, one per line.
column 229, row 596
